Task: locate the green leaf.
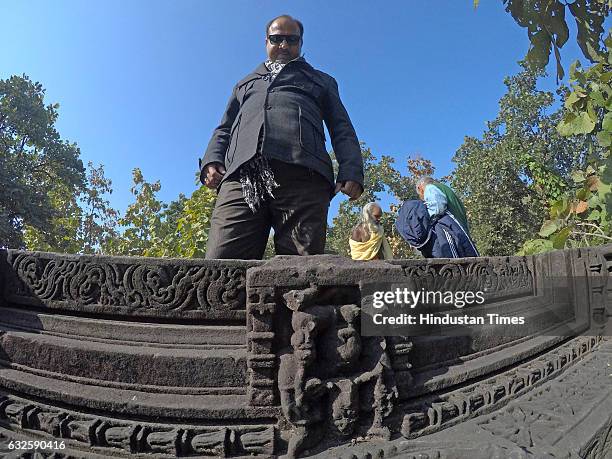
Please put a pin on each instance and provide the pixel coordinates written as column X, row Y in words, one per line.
column 548, row 228
column 604, row 138
column 604, row 192
column 560, row 71
column 582, row 194
column 539, row 51
column 584, row 123
column 576, row 124
column 594, row 201
column 594, row 215
column 598, row 98
column 607, row 122
column 557, row 25
column 566, row 209
column 559, row 239
column 572, row 99
column 578, row 176
column 591, row 112
column 556, row 209
column 536, row 246
column 606, row 175
column 574, row 67
column 565, row 126
column 608, row 39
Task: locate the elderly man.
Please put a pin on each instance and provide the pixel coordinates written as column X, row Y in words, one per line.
column 267, row 158
column 368, row 240
column 435, row 237
column 439, row 198
column 437, row 225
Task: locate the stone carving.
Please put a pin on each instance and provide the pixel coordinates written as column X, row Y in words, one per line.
column 342, row 347
column 81, row 431
column 601, row 446
column 16, row 413
column 599, row 270
column 542, row 419
column 505, row 276
column 354, row 376
column 204, row 290
column 536, row 425
column 381, row 389
column 261, row 363
column 49, row 421
column 344, row 397
column 121, row 436
column 300, row 391
column 433, row 415
column 209, row 443
column 160, row 440
column 313, row 381
column 257, row 440
column 525, row 426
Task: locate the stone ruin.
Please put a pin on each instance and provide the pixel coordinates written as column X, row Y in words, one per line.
column 155, row 358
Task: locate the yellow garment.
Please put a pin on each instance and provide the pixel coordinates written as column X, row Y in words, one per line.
column 368, row 250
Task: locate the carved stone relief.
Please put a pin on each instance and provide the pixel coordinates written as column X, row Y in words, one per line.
column 499, row 277
column 306, row 357
column 353, row 379
column 84, row 432
column 126, row 286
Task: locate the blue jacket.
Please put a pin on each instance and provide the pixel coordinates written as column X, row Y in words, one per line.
column 441, row 237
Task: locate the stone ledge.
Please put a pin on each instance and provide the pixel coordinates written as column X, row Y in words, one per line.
column 134, row 404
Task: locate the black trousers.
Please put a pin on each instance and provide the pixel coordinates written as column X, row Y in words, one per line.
column 298, row 215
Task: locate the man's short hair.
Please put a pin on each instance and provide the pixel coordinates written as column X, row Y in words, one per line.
column 423, row 181
column 286, row 16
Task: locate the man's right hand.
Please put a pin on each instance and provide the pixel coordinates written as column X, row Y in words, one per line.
column 214, row 174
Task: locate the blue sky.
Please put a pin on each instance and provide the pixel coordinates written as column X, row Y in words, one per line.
column 142, row 83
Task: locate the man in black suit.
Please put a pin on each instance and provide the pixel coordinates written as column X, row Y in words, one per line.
column 267, row 158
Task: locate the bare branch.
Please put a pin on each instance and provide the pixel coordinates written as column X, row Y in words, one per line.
column 593, row 235
column 591, row 225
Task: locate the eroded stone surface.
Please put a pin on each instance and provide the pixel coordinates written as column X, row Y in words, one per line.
column 121, row 356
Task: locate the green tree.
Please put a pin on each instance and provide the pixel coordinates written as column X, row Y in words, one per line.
column 548, row 31
column 61, row 233
column 507, row 177
column 582, row 216
column 152, row 228
column 83, row 221
column 99, row 220
column 40, row 174
column 185, row 226
column 142, row 222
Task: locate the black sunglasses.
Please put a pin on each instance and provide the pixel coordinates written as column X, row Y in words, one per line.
column 278, row 39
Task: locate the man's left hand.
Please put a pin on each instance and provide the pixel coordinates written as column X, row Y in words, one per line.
column 352, row 189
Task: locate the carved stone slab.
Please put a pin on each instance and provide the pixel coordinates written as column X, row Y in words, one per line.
column 126, row 286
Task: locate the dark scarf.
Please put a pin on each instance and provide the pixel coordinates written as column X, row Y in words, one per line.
column 257, row 180
column 256, row 176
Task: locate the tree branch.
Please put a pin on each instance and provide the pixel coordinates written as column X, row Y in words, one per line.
column 22, row 145
column 593, row 235
column 591, row 225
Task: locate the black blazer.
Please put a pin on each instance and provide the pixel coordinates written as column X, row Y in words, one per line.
column 291, row 110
